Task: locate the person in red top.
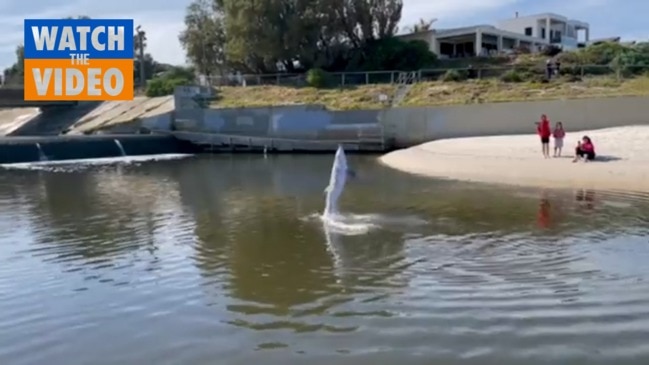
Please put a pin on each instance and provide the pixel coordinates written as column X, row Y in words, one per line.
column 543, row 217
column 544, row 131
column 585, row 150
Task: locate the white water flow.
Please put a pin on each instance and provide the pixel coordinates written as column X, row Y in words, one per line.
column 121, row 148
column 41, row 154
column 336, row 183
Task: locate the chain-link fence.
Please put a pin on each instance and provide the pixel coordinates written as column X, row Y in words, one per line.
column 525, row 72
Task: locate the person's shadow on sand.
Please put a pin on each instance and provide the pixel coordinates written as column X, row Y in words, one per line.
column 606, row 158
column 598, row 158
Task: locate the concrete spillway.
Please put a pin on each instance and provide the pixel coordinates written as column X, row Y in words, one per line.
column 55, row 148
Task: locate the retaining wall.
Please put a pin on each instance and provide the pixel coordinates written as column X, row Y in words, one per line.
column 308, row 122
column 417, row 125
column 407, row 126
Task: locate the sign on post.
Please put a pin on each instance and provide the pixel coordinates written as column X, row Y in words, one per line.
column 78, row 59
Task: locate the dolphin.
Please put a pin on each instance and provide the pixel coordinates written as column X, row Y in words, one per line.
column 337, row 180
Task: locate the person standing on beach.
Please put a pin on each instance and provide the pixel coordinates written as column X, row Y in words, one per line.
column 544, row 131
column 558, row 135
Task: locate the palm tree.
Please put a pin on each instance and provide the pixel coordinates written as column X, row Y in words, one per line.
column 136, row 39
column 423, row 25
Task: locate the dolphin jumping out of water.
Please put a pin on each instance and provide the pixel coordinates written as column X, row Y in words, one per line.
column 339, row 173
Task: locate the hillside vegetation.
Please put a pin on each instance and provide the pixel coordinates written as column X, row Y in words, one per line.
column 607, row 69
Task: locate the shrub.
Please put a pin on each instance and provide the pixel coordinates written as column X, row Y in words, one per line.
column 522, row 50
column 551, row 50
column 165, row 83
column 391, row 54
column 609, row 54
column 317, row 78
column 162, row 86
column 454, row 75
column 571, row 78
column 534, row 78
column 175, row 72
column 512, row 76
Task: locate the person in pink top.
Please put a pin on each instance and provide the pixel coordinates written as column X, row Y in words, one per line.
column 585, row 150
column 558, row 135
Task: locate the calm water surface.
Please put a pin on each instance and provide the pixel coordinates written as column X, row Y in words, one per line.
column 220, row 260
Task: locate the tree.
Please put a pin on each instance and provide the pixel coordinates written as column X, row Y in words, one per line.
column 136, row 42
column 287, row 35
column 14, row 75
column 204, row 36
column 366, row 20
column 151, row 66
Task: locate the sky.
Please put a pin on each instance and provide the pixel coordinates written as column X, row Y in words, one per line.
column 163, row 20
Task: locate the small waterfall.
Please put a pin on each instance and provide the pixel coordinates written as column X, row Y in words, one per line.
column 121, row 148
column 41, row 154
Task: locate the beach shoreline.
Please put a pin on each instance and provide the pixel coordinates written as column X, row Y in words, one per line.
column 622, row 165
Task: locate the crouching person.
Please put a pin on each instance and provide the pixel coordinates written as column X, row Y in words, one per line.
column 585, row 150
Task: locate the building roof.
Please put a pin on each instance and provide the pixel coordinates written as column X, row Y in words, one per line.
column 547, row 15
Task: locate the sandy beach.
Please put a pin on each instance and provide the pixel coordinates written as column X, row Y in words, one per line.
column 623, row 160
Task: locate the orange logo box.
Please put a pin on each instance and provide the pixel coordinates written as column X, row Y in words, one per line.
column 78, row 59
column 58, row 79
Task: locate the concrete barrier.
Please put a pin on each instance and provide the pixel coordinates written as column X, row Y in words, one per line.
column 408, row 126
column 55, row 148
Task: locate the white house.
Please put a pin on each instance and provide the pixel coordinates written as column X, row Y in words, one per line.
column 532, row 32
column 553, row 28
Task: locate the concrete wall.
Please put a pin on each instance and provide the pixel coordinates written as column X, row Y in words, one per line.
column 417, row 125
column 408, row 125
column 518, row 25
column 291, row 122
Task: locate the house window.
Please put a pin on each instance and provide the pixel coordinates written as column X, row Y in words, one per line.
column 528, row 31
column 543, row 33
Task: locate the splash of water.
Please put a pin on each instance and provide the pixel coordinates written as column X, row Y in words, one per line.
column 336, row 183
column 121, row 148
column 81, row 164
column 41, row 154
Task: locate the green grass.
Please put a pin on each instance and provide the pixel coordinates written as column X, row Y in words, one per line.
column 431, row 93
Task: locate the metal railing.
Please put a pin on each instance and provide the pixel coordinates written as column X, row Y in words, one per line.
column 404, row 84
column 343, row 79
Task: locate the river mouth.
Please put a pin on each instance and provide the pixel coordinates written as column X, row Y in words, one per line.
column 222, row 258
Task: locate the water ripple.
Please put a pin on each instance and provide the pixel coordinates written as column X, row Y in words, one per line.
column 204, row 259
